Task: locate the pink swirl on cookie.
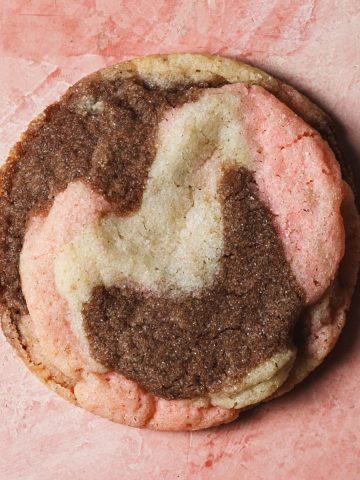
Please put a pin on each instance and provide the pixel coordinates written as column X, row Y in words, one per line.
column 300, row 180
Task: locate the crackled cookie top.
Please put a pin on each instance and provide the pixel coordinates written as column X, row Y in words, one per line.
column 215, row 219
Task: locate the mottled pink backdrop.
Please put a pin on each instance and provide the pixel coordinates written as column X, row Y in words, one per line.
column 46, row 45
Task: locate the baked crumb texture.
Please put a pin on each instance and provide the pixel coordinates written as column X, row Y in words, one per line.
column 176, row 241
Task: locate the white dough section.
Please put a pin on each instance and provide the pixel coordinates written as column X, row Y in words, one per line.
column 174, row 241
column 258, row 384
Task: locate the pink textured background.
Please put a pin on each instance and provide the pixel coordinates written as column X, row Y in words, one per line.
column 46, row 45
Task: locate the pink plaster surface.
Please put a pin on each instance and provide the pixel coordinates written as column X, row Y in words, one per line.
column 314, row 432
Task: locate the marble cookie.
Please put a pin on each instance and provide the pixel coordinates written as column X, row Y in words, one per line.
column 177, row 241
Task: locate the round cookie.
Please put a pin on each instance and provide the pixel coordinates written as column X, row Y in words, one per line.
column 116, row 241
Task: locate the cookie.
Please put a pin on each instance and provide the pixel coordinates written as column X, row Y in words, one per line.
column 177, row 241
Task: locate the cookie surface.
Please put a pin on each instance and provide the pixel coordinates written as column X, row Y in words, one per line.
column 173, row 239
